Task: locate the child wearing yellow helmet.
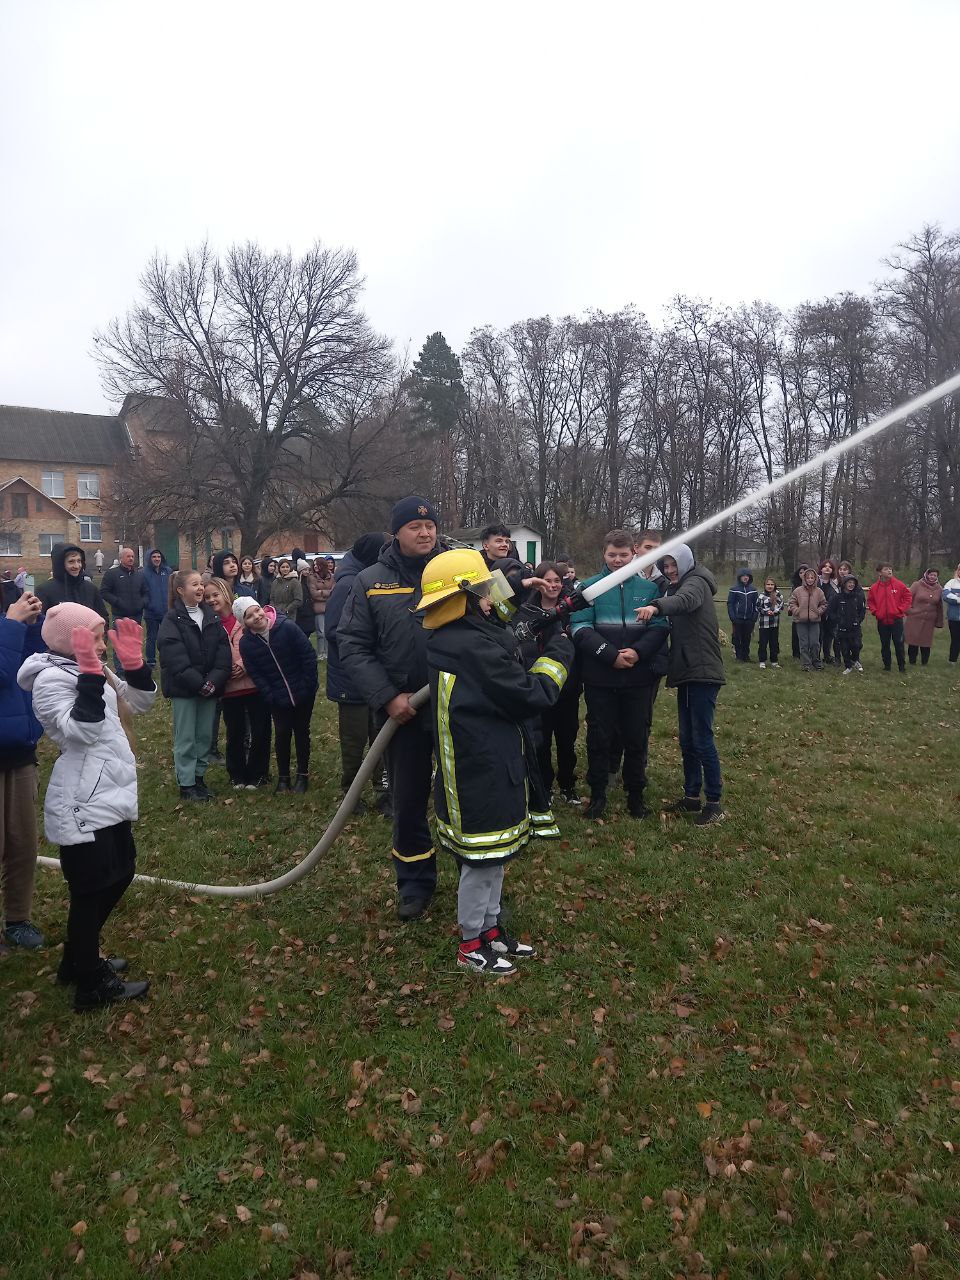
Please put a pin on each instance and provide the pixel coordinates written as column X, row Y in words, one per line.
column 481, row 695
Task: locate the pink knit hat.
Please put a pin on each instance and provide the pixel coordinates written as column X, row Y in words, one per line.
column 59, row 624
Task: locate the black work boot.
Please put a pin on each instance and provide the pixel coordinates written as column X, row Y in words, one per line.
column 597, row 806
column 283, row 784
column 110, row 990
column 194, row 793
column 635, row 806
column 301, row 783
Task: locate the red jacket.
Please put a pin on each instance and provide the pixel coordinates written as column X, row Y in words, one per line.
column 888, row 601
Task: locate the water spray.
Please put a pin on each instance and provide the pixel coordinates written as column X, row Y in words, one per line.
column 607, row 583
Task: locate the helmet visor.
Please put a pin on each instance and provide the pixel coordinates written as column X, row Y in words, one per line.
column 495, row 586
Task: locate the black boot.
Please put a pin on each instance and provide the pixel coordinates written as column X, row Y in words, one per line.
column 712, row 812
column 202, row 789
column 108, row 991
column 597, row 806
column 193, row 793
column 283, row 784
column 301, row 783
column 635, row 806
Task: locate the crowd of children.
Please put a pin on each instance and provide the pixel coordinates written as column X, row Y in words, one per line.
column 828, row 606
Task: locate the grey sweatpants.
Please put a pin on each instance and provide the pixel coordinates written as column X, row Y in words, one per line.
column 808, row 633
column 478, row 898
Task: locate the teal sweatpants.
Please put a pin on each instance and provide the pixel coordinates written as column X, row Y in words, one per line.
column 192, row 727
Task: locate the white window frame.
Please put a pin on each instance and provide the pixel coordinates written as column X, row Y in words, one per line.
column 8, row 539
column 88, row 521
column 54, row 539
column 50, row 481
column 88, row 480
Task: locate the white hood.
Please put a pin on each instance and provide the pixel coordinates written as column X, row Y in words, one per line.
column 38, row 662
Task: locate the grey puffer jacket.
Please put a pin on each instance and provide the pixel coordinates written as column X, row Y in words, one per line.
column 695, row 655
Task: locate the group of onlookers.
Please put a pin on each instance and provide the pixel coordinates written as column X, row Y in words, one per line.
column 828, row 606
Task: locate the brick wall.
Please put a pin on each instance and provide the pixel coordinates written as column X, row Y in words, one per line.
column 58, row 516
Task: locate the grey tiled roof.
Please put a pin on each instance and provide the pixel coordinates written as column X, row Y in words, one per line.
column 48, row 435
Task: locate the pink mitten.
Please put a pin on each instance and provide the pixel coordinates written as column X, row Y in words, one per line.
column 85, row 651
column 127, row 641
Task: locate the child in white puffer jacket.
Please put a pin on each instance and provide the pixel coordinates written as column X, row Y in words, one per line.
column 91, row 798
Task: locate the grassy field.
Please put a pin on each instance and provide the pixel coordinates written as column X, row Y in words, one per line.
column 737, row 1055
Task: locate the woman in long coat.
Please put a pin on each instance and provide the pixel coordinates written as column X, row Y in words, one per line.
column 926, row 614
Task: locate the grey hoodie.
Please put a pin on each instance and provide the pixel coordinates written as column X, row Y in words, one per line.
column 695, row 655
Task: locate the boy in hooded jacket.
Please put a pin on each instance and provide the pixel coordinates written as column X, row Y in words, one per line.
column 91, row 798
column 743, row 603
column 156, row 574
column 70, row 581
column 695, row 670
column 480, row 697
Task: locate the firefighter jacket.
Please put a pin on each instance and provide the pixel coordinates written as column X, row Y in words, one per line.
column 480, row 696
column 381, row 640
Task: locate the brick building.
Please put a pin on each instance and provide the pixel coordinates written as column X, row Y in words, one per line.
column 57, row 484
column 56, row 479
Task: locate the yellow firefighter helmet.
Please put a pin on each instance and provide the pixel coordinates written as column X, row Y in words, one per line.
column 446, row 580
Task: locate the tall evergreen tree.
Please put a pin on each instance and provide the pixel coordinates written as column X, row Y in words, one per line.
column 436, row 389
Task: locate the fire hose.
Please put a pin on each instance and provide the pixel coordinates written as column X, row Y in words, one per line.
column 585, row 596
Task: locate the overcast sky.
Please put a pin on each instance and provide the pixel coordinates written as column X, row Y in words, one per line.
column 487, row 162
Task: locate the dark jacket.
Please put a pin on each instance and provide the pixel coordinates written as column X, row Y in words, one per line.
column 480, row 696
column 216, row 563
column 695, row 655
column 20, row 730
column 286, row 594
column 281, row 664
column 847, row 610
column 610, row 624
column 383, row 645
column 158, row 586
column 190, row 656
column 743, row 601
column 63, row 586
column 340, row 687
column 10, row 593
column 125, row 591
column 258, row 589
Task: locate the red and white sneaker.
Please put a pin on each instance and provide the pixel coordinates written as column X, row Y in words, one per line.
column 482, row 959
column 505, row 944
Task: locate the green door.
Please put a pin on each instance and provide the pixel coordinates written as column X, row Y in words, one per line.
column 531, row 553
column 166, row 537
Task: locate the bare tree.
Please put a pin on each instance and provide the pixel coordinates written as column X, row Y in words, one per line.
column 274, row 386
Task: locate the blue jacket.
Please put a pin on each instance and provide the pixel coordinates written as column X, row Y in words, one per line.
column 951, row 598
column 158, row 586
column 610, row 624
column 340, row 688
column 283, row 667
column 20, row 730
column 743, row 602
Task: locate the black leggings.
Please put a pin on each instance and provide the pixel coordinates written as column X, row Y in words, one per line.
column 295, row 721
column 769, row 636
column 87, row 915
column 954, row 640
column 914, row 649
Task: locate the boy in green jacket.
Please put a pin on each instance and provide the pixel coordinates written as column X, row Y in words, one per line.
column 623, row 661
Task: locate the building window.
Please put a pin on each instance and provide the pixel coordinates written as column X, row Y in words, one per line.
column 88, row 484
column 51, row 482
column 90, row 529
column 38, row 505
column 10, row 544
column 47, row 541
column 18, row 506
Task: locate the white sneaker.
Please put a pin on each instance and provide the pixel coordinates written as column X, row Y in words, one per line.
column 847, row 670
column 775, row 664
column 762, row 666
column 857, row 666
column 485, row 960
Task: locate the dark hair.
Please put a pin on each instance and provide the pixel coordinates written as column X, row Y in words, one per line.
column 179, row 579
column 617, row 538
column 494, row 531
column 253, row 565
column 884, row 564
column 548, row 566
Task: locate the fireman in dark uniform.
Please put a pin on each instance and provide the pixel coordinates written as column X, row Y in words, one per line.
column 383, row 647
column 481, row 695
